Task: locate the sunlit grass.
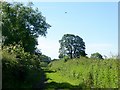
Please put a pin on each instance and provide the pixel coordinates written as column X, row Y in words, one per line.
column 93, row 73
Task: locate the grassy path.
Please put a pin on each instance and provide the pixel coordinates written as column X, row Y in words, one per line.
column 41, row 82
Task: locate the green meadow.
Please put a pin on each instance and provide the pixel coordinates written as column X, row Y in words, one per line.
column 83, row 73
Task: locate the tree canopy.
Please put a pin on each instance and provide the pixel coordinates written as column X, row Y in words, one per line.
column 72, row 46
column 22, row 24
column 96, row 56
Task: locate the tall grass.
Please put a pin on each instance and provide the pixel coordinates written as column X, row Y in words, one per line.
column 93, row 73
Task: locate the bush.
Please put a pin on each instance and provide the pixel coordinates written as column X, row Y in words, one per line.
column 18, row 66
column 96, row 56
column 65, row 58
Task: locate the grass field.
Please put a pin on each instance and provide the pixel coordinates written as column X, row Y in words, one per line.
column 83, row 73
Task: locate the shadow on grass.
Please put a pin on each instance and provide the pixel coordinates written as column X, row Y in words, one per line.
column 49, row 71
column 55, row 85
column 41, row 82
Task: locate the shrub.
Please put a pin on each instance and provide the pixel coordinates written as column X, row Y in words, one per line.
column 96, row 56
column 18, row 66
column 65, row 58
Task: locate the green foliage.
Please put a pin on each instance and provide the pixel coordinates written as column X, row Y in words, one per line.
column 23, row 24
column 72, row 46
column 19, row 67
column 96, row 56
column 88, row 73
column 45, row 58
column 61, row 55
column 66, row 58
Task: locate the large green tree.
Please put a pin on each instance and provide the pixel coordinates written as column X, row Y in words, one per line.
column 72, row 46
column 21, row 23
column 96, row 56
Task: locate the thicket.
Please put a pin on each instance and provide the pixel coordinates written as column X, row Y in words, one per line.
column 20, row 69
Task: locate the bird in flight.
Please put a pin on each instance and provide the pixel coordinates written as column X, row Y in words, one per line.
column 65, row 12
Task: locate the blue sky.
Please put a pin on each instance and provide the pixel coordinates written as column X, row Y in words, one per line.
column 95, row 22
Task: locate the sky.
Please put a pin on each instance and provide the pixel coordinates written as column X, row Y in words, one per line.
column 62, row 0
column 95, row 22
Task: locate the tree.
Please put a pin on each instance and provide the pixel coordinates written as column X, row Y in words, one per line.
column 23, row 24
column 96, row 56
column 72, row 46
column 45, row 58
